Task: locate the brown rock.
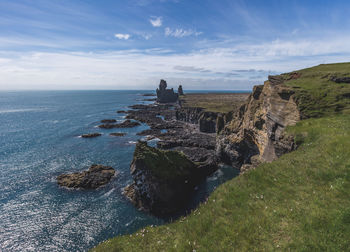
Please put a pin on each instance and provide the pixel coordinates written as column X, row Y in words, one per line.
column 96, row 176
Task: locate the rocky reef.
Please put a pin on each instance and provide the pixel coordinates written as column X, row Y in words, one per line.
column 163, row 180
column 91, row 135
column 125, row 124
column 96, row 176
column 256, row 131
column 165, row 95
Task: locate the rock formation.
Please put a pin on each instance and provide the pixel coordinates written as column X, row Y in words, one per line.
column 125, row 124
column 165, row 95
column 256, row 132
column 180, row 91
column 96, row 176
column 90, row 135
column 163, row 180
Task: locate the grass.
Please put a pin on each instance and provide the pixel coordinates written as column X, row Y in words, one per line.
column 215, row 102
column 317, row 95
column 300, row 202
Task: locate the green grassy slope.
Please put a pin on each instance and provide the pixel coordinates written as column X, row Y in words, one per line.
column 300, row 202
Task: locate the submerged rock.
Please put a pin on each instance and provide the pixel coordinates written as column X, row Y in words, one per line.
column 96, row 176
column 90, row 135
column 163, row 180
column 117, row 134
column 125, row 124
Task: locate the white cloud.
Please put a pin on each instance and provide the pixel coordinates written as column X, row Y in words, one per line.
column 179, row 33
column 156, row 21
column 122, row 36
column 142, row 69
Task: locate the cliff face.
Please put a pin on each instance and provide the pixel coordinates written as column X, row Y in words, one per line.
column 163, row 180
column 256, row 132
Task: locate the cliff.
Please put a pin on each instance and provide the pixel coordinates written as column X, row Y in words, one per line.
column 163, row 180
column 299, row 201
column 256, row 131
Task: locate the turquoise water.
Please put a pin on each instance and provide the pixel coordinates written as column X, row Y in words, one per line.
column 39, row 139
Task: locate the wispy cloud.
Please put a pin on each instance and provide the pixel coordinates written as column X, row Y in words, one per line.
column 179, row 32
column 122, row 36
column 156, row 21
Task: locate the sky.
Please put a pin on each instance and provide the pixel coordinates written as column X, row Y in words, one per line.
column 132, row 44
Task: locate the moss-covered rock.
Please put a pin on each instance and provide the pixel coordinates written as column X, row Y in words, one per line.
column 163, row 180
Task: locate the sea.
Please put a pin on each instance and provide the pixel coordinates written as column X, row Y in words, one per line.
column 39, row 140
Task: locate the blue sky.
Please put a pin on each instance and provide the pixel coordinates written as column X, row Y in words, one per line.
column 132, row 44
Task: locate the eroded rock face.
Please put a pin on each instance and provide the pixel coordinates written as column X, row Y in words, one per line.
column 96, row 176
column 163, row 180
column 257, row 129
column 165, row 95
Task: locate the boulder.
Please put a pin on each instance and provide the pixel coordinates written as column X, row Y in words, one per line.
column 96, row 176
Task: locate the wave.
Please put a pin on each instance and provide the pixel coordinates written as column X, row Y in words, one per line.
column 5, row 111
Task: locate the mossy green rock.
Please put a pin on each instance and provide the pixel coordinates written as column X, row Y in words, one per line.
column 163, row 180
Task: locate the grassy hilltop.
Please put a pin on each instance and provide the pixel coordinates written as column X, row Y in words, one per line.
column 300, row 202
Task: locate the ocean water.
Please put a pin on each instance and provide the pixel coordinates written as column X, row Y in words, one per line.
column 39, row 139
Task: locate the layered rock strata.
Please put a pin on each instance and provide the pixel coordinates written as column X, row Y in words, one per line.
column 256, row 132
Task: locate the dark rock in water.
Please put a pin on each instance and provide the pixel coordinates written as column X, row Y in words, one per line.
column 121, row 112
column 149, row 132
column 149, row 95
column 163, row 180
column 165, row 95
column 151, row 99
column 108, row 121
column 117, row 134
column 125, row 124
column 90, row 135
column 180, row 91
column 96, row 176
column 340, row 79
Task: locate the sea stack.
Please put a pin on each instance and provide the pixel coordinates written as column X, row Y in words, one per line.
column 180, row 91
column 165, row 95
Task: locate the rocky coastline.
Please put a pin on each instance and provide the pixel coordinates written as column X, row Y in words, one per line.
column 250, row 133
column 247, row 130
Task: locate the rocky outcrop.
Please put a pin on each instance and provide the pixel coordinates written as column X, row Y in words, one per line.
column 180, row 90
column 96, row 176
column 343, row 79
column 91, row 135
column 256, row 132
column 163, row 180
column 205, row 119
column 125, row 124
column 189, row 114
column 165, row 95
